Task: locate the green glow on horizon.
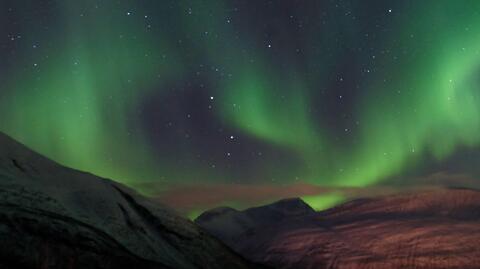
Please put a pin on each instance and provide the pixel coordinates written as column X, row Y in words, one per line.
column 192, row 215
column 324, row 201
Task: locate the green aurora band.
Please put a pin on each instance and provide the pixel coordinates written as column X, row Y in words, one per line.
column 418, row 99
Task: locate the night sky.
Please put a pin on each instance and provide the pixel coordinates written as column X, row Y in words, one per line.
column 166, row 94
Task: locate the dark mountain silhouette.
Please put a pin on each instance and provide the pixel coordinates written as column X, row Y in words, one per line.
column 55, row 217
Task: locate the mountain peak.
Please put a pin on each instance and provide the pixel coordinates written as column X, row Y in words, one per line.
column 291, row 206
column 215, row 213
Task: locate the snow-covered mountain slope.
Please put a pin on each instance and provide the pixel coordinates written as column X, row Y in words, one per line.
column 55, row 217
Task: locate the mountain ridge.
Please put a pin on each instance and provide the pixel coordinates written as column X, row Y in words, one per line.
column 52, row 216
column 438, row 228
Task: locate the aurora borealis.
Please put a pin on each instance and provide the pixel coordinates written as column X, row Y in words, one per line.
column 171, row 93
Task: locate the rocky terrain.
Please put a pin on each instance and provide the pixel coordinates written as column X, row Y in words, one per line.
column 429, row 229
column 55, row 217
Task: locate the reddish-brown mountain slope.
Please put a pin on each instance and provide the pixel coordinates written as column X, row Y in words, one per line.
column 433, row 229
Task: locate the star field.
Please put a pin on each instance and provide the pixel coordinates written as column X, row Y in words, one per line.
column 337, row 93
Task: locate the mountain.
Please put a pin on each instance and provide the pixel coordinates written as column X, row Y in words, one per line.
column 55, row 217
column 230, row 225
column 429, row 229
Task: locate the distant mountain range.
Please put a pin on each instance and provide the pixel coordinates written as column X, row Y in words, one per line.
column 428, row 229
